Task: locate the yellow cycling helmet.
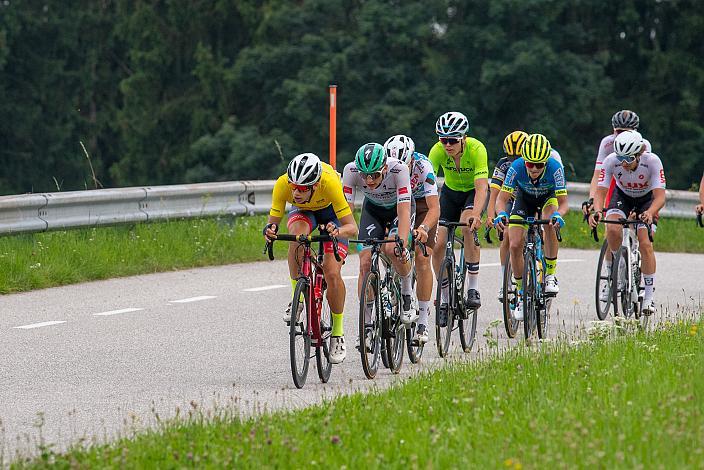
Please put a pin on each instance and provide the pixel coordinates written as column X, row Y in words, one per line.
column 536, row 148
column 513, row 143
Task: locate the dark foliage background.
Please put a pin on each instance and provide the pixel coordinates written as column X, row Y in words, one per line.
column 174, row 91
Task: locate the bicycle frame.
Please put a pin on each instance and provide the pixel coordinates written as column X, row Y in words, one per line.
column 629, row 242
column 311, row 270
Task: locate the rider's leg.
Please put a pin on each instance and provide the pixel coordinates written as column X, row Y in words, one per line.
column 424, row 284
column 551, row 248
column 335, row 292
column 648, row 265
column 614, row 233
column 471, row 253
column 299, row 225
column 517, row 235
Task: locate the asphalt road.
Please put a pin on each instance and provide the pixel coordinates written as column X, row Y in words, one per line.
column 97, row 360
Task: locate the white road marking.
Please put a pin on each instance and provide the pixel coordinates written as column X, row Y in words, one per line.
column 350, row 277
column 39, row 325
column 192, row 299
column 258, row 289
column 115, row 312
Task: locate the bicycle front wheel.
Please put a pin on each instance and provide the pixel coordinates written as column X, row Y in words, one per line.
column 510, row 297
column 394, row 340
column 530, row 286
column 415, row 351
column 370, row 324
column 322, row 351
column 299, row 333
column 603, row 299
column 467, row 322
column 442, row 333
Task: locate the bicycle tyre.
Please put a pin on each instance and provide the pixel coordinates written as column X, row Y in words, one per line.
column 541, row 309
column 603, row 307
column 442, row 334
column 529, row 287
column 510, row 297
column 622, row 296
column 299, row 336
column 415, row 352
column 322, row 352
column 397, row 331
column 370, row 358
column 468, row 321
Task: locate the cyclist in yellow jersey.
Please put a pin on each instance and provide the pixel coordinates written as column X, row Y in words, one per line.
column 464, row 163
column 314, row 190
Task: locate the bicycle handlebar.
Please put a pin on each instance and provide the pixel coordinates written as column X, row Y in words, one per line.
column 699, row 220
column 539, row 222
column 422, row 247
column 303, row 239
column 452, row 225
column 623, row 222
column 487, row 235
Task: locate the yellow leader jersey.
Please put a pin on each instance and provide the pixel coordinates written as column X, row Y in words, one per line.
column 329, row 191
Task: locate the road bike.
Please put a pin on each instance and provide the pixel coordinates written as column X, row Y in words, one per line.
column 536, row 302
column 452, row 275
column 311, row 319
column 381, row 334
column 621, row 286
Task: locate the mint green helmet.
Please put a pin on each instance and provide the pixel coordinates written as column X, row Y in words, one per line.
column 370, row 157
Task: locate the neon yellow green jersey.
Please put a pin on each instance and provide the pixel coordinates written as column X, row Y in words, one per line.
column 473, row 165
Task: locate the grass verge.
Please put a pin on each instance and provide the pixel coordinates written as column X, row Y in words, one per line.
column 631, row 402
column 34, row 261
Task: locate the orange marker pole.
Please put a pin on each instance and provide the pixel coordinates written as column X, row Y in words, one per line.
column 333, row 125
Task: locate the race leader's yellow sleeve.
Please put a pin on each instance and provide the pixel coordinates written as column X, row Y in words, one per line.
column 329, row 192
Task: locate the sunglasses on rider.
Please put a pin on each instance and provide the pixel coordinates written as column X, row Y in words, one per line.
column 300, row 188
column 539, row 166
column 372, row 176
column 450, row 140
column 626, row 158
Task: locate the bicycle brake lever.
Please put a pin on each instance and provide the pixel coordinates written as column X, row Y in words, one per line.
column 487, row 235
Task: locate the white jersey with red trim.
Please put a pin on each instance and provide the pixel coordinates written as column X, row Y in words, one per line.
column 422, row 177
column 395, row 187
column 606, row 147
column 647, row 176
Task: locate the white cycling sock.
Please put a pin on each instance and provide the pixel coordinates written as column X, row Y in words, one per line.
column 406, row 284
column 472, row 275
column 424, row 307
column 368, row 312
column 649, row 280
column 445, row 291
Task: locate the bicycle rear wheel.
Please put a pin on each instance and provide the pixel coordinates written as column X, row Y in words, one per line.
column 322, row 352
column 622, row 285
column 394, row 342
column 510, row 294
column 443, row 333
column 603, row 285
column 529, row 301
column 370, row 347
column 299, row 333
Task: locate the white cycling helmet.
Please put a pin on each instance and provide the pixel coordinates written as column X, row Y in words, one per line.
column 400, row 147
column 305, row 169
column 628, row 143
column 452, row 124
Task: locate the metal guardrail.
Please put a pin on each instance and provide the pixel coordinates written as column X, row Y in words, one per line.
column 58, row 211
